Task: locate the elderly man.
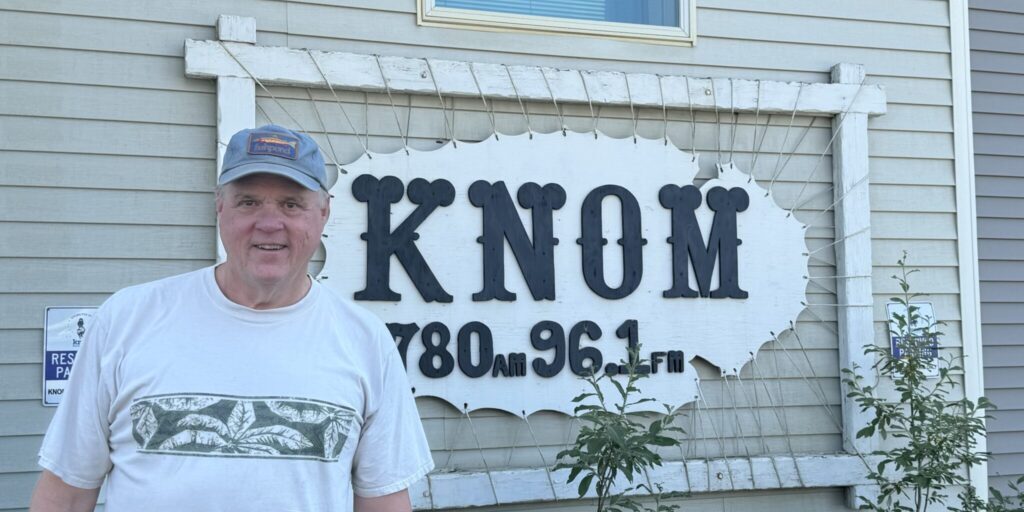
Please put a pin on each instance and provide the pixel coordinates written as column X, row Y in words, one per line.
column 245, row 386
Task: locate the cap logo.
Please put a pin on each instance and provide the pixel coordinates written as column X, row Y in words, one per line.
column 273, row 144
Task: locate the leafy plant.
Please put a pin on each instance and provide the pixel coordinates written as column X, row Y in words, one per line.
column 999, row 502
column 612, row 442
column 937, row 435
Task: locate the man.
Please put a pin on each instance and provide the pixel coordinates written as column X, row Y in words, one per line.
column 245, row 386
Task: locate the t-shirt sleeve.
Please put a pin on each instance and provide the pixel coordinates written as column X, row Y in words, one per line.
column 76, row 447
column 392, row 453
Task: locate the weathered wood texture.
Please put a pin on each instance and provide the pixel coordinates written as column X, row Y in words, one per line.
column 102, row 127
column 997, row 51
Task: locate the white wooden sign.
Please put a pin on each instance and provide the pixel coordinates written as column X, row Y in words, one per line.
column 448, row 247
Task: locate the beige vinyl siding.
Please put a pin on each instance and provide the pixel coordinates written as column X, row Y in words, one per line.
column 997, row 61
column 107, row 164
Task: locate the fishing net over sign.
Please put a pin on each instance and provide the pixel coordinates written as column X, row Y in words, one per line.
column 508, row 267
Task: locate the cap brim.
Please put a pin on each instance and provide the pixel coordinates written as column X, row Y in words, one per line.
column 268, row 168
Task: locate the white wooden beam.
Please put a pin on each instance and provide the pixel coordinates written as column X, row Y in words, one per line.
column 853, row 258
column 294, row 67
column 236, row 96
column 239, row 29
column 511, row 486
column 966, row 222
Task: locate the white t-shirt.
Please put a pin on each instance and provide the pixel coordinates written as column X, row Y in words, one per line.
column 192, row 402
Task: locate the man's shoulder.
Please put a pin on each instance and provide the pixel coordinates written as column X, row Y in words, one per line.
column 347, row 311
column 136, row 295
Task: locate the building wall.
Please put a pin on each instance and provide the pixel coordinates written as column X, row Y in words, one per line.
column 107, row 164
column 997, row 57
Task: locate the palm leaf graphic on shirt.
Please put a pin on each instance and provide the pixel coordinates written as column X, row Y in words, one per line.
column 186, row 403
column 337, row 422
column 237, row 434
column 144, row 422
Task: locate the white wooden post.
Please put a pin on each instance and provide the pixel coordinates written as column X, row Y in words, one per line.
column 236, row 96
column 853, row 258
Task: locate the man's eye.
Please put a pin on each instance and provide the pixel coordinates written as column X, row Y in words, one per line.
column 291, row 206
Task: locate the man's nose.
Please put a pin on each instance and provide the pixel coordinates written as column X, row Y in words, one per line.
column 270, row 219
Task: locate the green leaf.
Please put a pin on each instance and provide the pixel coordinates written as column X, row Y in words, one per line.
column 584, row 485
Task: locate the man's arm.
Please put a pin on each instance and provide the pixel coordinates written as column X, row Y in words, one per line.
column 53, row 495
column 394, row 502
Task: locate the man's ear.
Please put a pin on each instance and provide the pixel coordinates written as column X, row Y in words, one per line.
column 327, row 210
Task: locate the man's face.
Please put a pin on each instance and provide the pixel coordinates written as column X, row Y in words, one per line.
column 270, row 227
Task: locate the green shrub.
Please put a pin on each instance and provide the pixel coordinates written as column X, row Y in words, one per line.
column 612, row 442
column 937, row 436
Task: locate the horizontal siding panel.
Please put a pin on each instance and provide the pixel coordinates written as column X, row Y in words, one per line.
column 21, row 345
column 16, row 488
column 1006, row 399
column 998, row 124
column 911, row 12
column 99, row 34
column 1002, row 313
column 924, row 12
column 1000, row 186
column 1005, row 442
column 108, row 137
column 999, row 82
column 25, row 310
column 998, row 103
column 922, row 253
column 896, row 198
column 1002, row 335
column 1005, row 420
column 315, row 26
column 97, row 68
column 1008, row 42
column 1006, row 464
column 270, row 14
column 1013, row 6
column 88, row 171
column 913, row 91
column 1001, row 291
column 107, row 103
column 24, row 417
column 732, row 24
column 35, row 240
column 910, row 171
column 997, row 377
column 1001, row 270
column 20, row 453
column 108, row 206
column 45, row 275
column 1012, row 356
column 994, row 21
column 938, row 279
column 999, row 229
column 913, row 225
column 1001, row 207
column 916, row 118
column 1001, row 250
column 995, row 165
column 21, row 381
column 1010, row 145
column 910, row 144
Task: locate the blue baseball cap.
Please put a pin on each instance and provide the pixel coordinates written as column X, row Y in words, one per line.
column 275, row 150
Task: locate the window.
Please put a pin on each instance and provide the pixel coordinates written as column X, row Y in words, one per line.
column 659, row 21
